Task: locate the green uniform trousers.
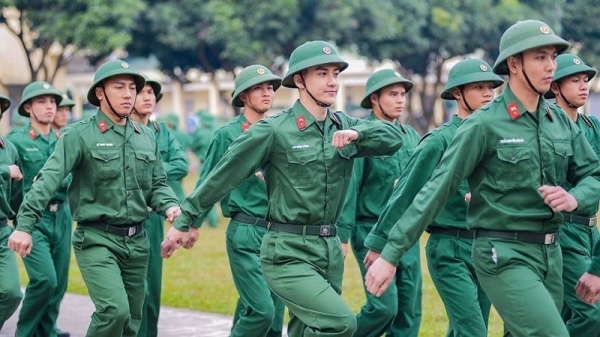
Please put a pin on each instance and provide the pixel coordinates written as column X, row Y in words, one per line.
column 378, row 313
column 48, row 270
column 154, row 227
column 306, row 273
column 10, row 289
column 576, row 242
column 259, row 312
column 409, row 285
column 451, row 268
column 524, row 283
column 113, row 268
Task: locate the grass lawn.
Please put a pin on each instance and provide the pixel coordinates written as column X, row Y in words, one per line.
column 200, row 279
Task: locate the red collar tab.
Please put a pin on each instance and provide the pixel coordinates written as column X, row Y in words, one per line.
column 155, row 126
column 103, row 126
column 245, row 126
column 301, row 122
column 513, row 110
column 32, row 134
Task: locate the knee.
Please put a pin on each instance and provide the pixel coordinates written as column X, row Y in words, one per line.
column 349, row 322
column 11, row 297
column 117, row 314
column 46, row 284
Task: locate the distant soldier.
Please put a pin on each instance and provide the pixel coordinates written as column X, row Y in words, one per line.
column 63, row 113
column 172, row 122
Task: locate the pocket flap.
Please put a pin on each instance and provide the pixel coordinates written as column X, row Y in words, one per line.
column 146, row 156
column 106, row 156
column 514, row 155
column 302, row 156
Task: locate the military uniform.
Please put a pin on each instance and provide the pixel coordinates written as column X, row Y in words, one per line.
column 117, row 173
column 579, row 232
column 258, row 312
column 172, row 123
column 398, row 310
column 11, row 194
column 48, row 266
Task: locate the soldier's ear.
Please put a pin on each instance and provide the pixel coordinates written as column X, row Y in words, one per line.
column 512, row 64
column 554, row 88
column 374, row 97
column 456, row 93
column 243, row 96
column 27, row 107
column 298, row 81
column 99, row 93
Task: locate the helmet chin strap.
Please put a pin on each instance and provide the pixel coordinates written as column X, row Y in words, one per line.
column 462, row 92
column 383, row 111
column 569, row 104
column 527, row 77
column 111, row 107
column 319, row 103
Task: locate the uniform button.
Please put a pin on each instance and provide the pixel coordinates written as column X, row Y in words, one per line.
column 514, row 158
column 302, row 161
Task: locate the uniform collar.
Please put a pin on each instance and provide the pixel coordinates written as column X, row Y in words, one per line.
column 304, row 118
column 103, row 123
column 455, row 120
column 515, row 109
column 373, row 117
column 33, row 134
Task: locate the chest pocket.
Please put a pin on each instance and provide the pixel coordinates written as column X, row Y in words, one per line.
column 301, row 166
column 144, row 163
column 516, row 167
column 32, row 164
column 106, row 164
column 562, row 154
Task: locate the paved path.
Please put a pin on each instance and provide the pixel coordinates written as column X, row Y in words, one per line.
column 76, row 310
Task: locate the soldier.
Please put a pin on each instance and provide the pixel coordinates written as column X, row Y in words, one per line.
column 63, row 113
column 176, row 167
column 306, row 153
column 579, row 232
column 516, row 151
column 11, row 194
column 259, row 312
column 172, row 122
column 48, row 266
column 117, row 173
column 398, row 310
column 471, row 83
column 588, row 286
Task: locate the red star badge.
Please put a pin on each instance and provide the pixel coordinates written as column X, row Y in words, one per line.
column 245, row 126
column 102, row 126
column 32, row 134
column 301, row 122
column 513, row 111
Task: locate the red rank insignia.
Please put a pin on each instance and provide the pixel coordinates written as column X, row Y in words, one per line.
column 32, row 134
column 513, row 111
column 301, row 122
column 245, row 126
column 102, row 126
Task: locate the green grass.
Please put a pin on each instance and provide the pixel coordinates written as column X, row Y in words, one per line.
column 200, row 279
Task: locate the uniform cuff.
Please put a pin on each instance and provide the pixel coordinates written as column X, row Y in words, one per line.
column 375, row 242
column 391, row 255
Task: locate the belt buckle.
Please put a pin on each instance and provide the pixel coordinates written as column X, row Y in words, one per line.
column 549, row 238
column 324, row 230
column 131, row 231
column 593, row 221
column 53, row 208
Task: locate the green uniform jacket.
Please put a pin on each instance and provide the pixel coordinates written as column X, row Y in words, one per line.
column 421, row 165
column 306, row 177
column 590, row 126
column 117, row 172
column 250, row 197
column 507, row 154
column 11, row 190
column 34, row 149
column 172, row 154
column 595, row 265
column 373, row 180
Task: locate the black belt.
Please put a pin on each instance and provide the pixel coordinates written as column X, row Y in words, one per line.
column 581, row 220
column 528, row 237
column 318, row 230
column 250, row 220
column 55, row 206
column 456, row 232
column 367, row 219
column 124, row 230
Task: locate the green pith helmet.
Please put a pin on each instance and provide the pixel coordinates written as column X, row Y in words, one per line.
column 4, row 103
column 35, row 89
column 170, row 119
column 250, row 76
column 66, row 101
column 110, row 69
column 567, row 65
column 381, row 79
column 311, row 54
column 469, row 71
column 525, row 35
column 156, row 87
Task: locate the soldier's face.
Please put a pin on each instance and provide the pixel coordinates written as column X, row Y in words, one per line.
column 574, row 88
column 43, row 108
column 540, row 65
column 476, row 95
column 391, row 99
column 120, row 90
column 145, row 101
column 322, row 82
column 259, row 97
column 62, row 117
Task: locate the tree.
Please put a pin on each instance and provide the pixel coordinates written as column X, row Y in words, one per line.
column 97, row 27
